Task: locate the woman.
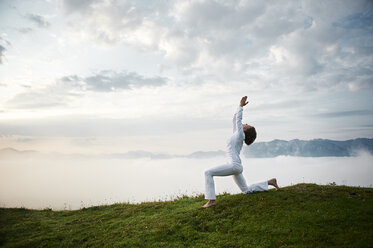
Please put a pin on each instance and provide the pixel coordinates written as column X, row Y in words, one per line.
column 241, row 132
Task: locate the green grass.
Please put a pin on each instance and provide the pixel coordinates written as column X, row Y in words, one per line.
column 304, row 215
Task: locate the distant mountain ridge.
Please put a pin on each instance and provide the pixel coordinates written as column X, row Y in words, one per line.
column 274, row 148
column 9, row 153
column 308, row 148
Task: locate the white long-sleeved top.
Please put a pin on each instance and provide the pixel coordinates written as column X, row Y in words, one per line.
column 235, row 142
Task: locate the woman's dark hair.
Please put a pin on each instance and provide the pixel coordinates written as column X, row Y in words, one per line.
column 250, row 135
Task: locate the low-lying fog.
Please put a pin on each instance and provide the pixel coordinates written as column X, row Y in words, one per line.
column 76, row 183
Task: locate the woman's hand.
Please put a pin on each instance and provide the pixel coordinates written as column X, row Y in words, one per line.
column 243, row 101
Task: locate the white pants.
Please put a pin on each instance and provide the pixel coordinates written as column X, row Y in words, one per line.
column 227, row 170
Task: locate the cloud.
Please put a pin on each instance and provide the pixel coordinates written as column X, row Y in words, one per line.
column 24, row 30
column 275, row 105
column 2, row 53
column 88, row 126
column 26, row 140
column 360, row 20
column 10, row 152
column 106, row 81
column 346, row 113
column 67, row 88
column 304, row 46
column 44, row 98
column 3, row 44
column 111, row 81
column 72, row 6
column 39, row 20
column 50, row 96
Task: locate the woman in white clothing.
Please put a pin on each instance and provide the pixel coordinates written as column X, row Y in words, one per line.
column 241, row 133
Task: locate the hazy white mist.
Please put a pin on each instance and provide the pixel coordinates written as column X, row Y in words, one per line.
column 76, row 183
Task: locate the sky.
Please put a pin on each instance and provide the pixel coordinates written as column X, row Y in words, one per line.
column 91, row 76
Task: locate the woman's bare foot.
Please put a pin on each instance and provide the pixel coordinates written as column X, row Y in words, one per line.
column 210, row 203
column 273, row 182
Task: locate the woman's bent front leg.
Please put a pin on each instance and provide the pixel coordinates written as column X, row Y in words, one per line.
column 223, row 170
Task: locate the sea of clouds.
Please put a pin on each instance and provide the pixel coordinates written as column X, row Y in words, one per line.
column 73, row 183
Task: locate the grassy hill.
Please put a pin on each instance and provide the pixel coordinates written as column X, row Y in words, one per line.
column 304, row 215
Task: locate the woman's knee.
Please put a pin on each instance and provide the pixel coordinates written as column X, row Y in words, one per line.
column 208, row 173
column 237, row 169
